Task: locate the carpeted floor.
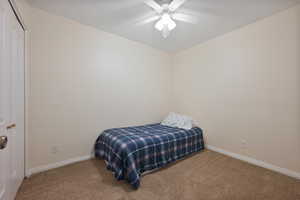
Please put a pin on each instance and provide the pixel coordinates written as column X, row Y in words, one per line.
column 206, row 175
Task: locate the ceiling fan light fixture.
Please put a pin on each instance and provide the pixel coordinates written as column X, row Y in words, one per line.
column 165, row 21
column 165, row 13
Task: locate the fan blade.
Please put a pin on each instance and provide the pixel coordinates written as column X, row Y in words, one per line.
column 148, row 20
column 175, row 4
column 185, row 18
column 154, row 5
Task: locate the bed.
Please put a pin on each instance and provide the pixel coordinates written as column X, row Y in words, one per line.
column 129, row 152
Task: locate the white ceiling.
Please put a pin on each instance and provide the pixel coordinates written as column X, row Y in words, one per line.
column 121, row 17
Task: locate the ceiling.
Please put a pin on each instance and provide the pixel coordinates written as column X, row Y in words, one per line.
column 122, row 17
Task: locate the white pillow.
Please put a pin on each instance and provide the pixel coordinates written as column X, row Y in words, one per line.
column 177, row 120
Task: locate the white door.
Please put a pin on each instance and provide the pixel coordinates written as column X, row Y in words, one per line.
column 4, row 106
column 17, row 105
column 11, row 102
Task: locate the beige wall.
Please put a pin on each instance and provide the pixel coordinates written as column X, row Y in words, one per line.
column 83, row 81
column 245, row 86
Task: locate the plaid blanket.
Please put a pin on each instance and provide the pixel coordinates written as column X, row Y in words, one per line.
column 131, row 151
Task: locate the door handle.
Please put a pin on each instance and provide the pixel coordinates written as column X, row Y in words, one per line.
column 3, row 142
column 11, row 126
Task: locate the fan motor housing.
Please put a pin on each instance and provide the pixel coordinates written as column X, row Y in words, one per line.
column 163, row 2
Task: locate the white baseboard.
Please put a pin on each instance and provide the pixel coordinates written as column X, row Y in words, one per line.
column 256, row 162
column 222, row 151
column 56, row 165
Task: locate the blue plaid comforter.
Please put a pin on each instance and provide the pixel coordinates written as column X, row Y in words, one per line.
column 131, row 151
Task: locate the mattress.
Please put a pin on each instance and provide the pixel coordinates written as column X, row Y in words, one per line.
column 131, row 151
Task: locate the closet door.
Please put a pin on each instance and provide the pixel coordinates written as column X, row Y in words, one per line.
column 11, row 102
column 16, row 103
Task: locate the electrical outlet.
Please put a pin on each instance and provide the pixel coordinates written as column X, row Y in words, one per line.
column 54, row 149
column 244, row 144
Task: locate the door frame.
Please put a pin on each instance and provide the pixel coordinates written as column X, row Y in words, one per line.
column 16, row 10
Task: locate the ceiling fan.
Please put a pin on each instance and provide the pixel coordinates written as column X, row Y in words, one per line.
column 166, row 15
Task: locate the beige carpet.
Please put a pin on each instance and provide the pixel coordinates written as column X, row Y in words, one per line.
column 206, row 175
